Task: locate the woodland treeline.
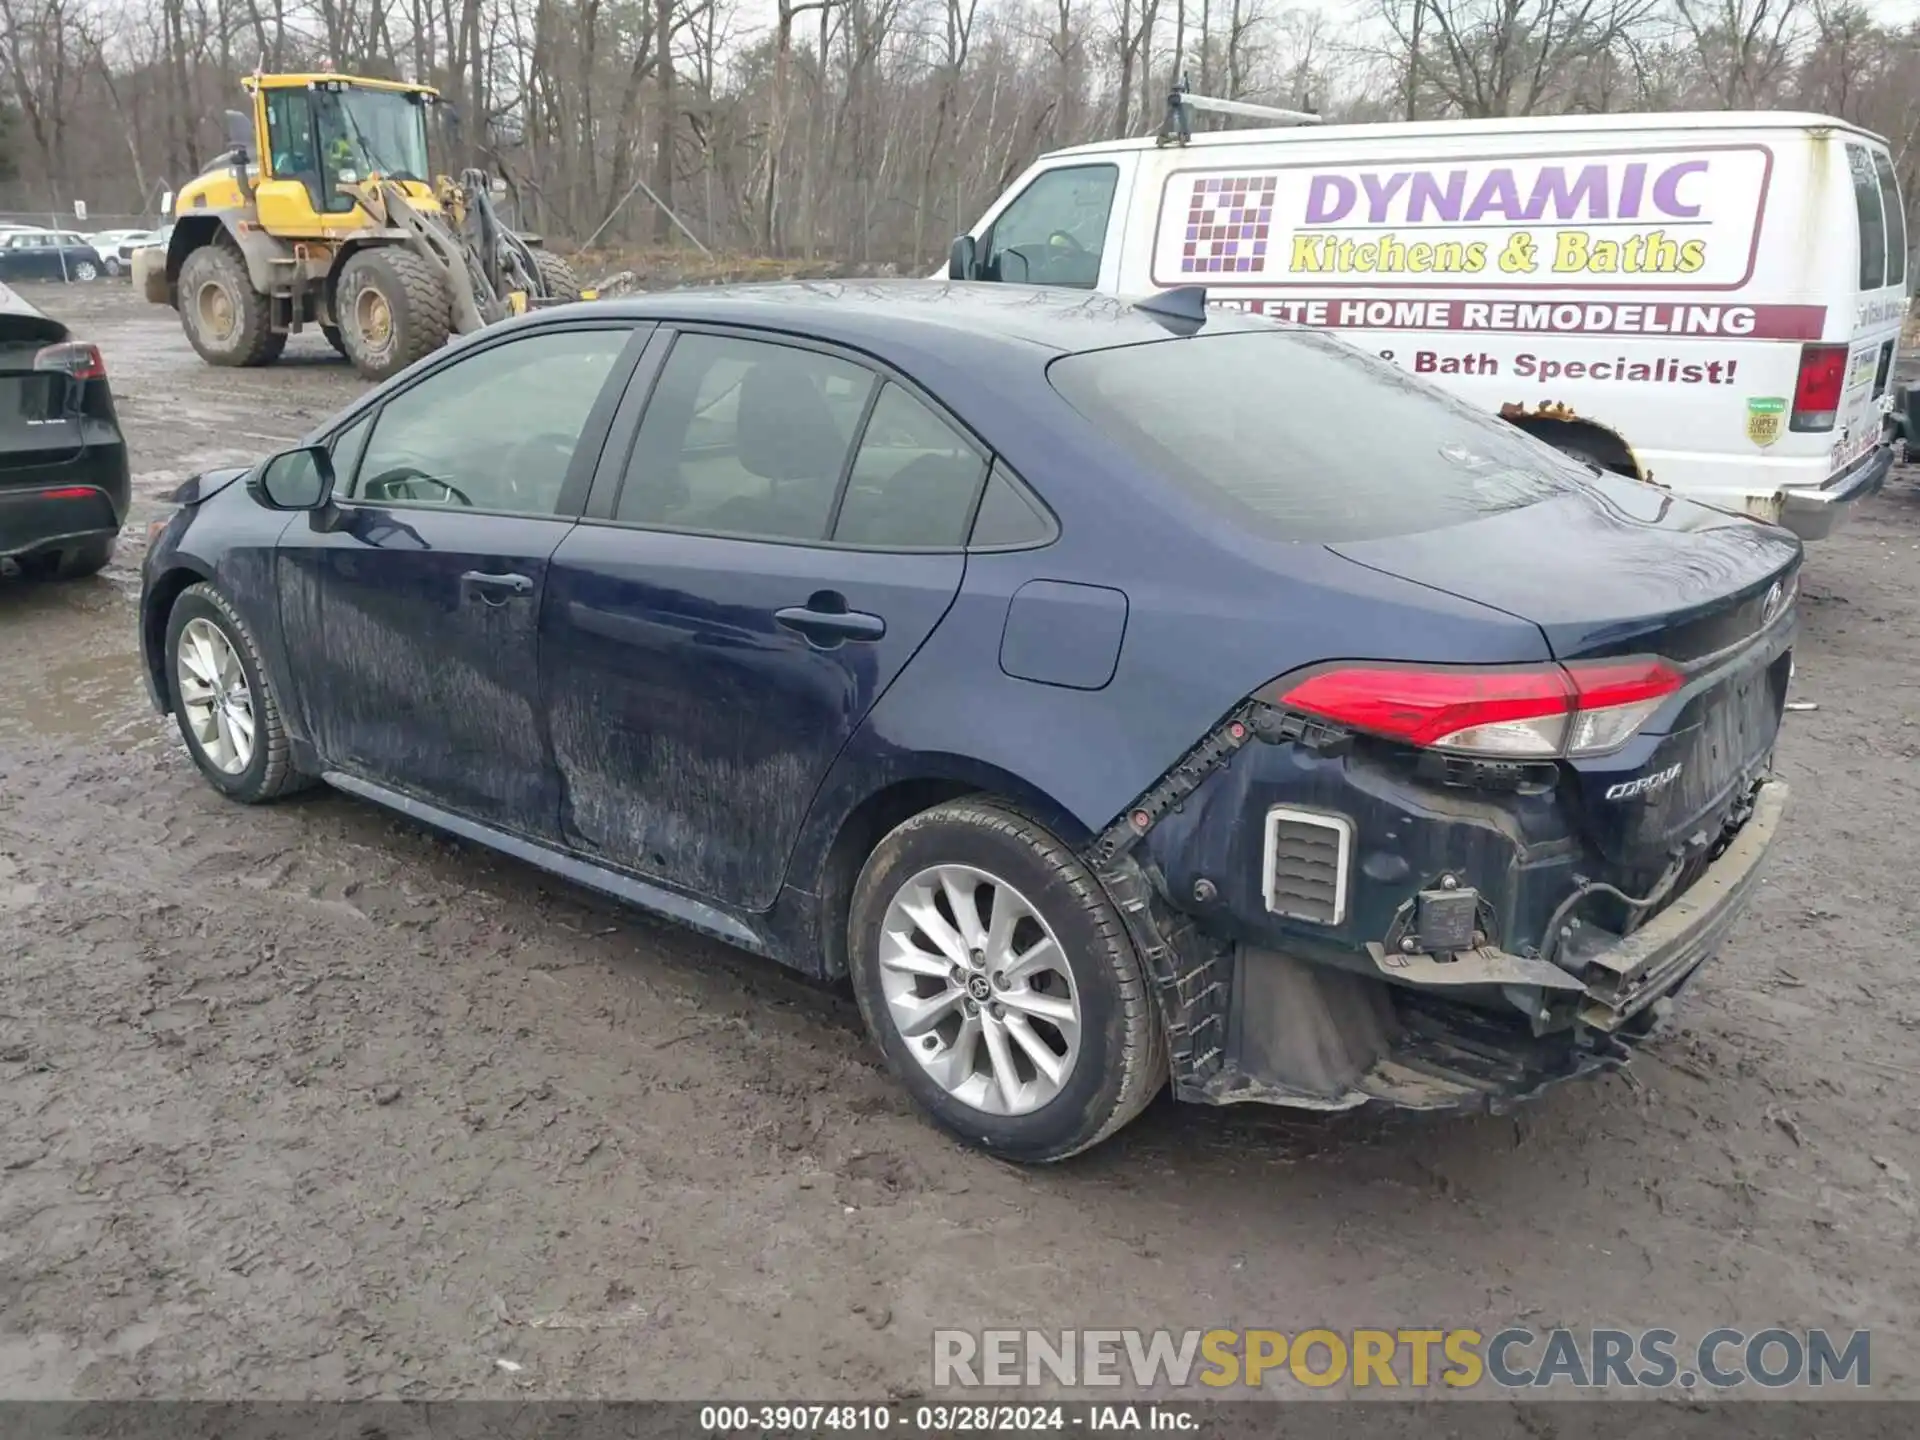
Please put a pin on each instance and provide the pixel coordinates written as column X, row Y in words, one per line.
column 870, row 130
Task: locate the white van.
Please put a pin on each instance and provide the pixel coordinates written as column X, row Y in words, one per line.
column 1708, row 301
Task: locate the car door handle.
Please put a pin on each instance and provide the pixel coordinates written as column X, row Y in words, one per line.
column 495, row 589
column 826, row 621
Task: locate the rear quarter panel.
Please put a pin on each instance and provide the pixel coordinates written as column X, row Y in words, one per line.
column 1212, row 615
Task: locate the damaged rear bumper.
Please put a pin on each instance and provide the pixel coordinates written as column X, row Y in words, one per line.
column 1424, row 1032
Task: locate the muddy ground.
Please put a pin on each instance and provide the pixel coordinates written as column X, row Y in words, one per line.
column 303, row 1101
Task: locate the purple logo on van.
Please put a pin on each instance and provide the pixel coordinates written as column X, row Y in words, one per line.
column 1227, row 225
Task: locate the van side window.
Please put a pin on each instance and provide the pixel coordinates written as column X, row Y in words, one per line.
column 1054, row 231
column 1873, row 230
column 1896, row 215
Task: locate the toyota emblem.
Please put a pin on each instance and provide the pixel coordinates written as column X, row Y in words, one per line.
column 1770, row 607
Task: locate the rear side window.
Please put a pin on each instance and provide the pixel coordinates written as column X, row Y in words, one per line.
column 1896, row 217
column 913, row 481
column 1304, row 437
column 744, row 437
column 1873, row 230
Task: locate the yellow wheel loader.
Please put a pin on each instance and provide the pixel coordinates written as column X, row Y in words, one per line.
column 322, row 213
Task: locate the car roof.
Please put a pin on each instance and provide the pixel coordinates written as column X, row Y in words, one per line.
column 882, row 315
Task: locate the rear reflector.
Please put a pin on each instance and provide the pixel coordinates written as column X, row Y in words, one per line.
column 1509, row 711
column 70, row 492
column 1816, row 394
column 75, row 358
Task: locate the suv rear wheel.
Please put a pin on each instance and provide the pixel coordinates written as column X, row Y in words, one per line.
column 1000, row 984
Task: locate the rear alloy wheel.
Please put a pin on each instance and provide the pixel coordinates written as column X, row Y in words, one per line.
column 84, row 270
column 1000, row 983
column 224, row 316
column 393, row 308
column 222, row 701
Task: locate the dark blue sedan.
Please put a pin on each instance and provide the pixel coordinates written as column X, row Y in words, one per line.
column 1116, row 694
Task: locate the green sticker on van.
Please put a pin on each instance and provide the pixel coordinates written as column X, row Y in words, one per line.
column 1763, row 418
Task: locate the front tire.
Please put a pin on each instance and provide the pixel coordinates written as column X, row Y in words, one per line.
column 557, row 277
column 336, row 340
column 393, row 308
column 225, row 706
column 1000, row 984
column 224, row 316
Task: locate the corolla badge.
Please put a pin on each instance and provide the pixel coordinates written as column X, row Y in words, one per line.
column 1644, row 785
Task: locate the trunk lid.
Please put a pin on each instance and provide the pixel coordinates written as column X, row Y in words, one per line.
column 37, row 430
column 1614, row 568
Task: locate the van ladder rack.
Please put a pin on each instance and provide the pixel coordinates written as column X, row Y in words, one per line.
column 1182, row 102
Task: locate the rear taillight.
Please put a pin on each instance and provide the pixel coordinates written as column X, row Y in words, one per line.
column 1510, row 711
column 1816, row 394
column 74, row 358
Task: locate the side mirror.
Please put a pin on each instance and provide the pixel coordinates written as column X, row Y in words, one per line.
column 240, row 135
column 960, row 258
column 296, row 480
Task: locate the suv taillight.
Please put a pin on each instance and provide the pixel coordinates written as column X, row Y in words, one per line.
column 1510, row 712
column 1816, row 394
column 75, row 358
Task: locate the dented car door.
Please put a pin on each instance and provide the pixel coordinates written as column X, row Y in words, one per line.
column 415, row 603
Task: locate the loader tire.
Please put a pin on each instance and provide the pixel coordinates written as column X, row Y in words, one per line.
column 335, row 339
column 556, row 278
column 225, row 318
column 393, row 308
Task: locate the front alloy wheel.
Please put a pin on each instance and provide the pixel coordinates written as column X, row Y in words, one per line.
column 223, row 702
column 215, row 700
column 980, row 989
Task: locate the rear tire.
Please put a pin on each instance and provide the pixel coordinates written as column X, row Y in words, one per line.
column 557, row 277
column 76, row 561
column 392, row 308
column 211, row 658
column 954, row 1022
column 224, row 316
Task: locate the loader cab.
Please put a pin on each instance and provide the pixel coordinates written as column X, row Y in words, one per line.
column 320, row 132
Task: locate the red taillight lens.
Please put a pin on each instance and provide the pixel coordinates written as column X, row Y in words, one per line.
column 1816, row 394
column 1516, row 711
column 75, row 358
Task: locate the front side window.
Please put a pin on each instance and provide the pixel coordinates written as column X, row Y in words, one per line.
column 743, row 437
column 493, row 431
column 291, row 152
column 1053, row 234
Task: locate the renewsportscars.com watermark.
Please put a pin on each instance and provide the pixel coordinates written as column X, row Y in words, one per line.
column 1516, row 1358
